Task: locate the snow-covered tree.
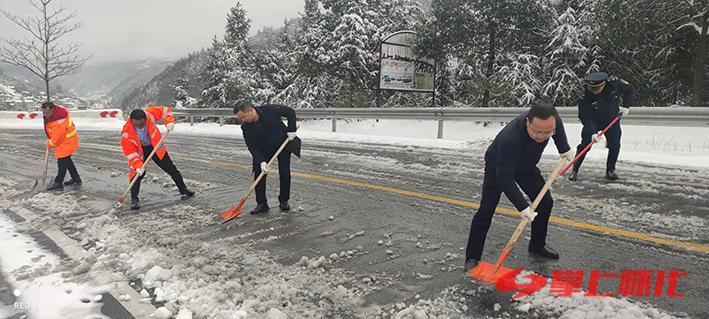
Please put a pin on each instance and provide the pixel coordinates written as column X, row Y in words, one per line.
column 400, row 15
column 565, row 60
column 237, row 26
column 521, row 77
column 229, row 73
column 352, row 58
column 216, row 72
column 182, row 98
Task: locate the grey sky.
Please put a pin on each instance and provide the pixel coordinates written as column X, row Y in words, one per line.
column 118, row 30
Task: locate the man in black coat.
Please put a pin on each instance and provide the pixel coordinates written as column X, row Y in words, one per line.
column 604, row 98
column 264, row 132
column 510, row 163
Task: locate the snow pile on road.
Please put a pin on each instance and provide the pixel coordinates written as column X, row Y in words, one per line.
column 544, row 303
column 211, row 279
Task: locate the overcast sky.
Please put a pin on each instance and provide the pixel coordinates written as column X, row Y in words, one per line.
column 120, row 30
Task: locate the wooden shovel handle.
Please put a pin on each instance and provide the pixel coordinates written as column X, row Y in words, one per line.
column 523, row 223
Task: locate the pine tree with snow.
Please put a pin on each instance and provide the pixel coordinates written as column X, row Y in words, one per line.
column 270, row 76
column 355, row 34
column 467, row 81
column 237, row 26
column 215, row 74
column 400, row 15
column 353, row 56
column 229, row 73
column 445, row 86
column 312, row 49
column 181, row 93
column 311, row 83
column 521, row 77
column 588, row 28
column 564, row 60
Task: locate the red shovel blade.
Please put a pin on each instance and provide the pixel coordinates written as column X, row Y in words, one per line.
column 485, row 271
column 233, row 212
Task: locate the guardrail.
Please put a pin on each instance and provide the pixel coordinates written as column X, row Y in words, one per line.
column 37, row 115
column 656, row 116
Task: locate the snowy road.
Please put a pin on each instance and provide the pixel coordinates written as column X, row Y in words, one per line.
column 390, row 223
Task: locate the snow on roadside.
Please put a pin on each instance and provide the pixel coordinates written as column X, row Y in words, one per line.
column 687, row 146
column 40, row 283
column 81, row 123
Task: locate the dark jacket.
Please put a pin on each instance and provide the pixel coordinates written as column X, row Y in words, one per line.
column 263, row 138
column 514, row 152
column 597, row 111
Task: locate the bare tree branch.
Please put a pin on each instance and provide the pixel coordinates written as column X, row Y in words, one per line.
column 40, row 52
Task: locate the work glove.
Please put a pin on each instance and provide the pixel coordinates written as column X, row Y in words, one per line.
column 49, row 144
column 569, row 156
column 624, row 111
column 140, row 171
column 597, row 138
column 292, row 135
column 264, row 167
column 527, row 213
column 170, row 126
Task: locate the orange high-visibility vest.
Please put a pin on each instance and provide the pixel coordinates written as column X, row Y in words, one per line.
column 130, row 143
column 62, row 134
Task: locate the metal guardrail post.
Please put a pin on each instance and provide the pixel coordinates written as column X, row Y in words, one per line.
column 221, row 121
column 191, row 120
column 334, row 124
column 438, row 114
column 440, row 128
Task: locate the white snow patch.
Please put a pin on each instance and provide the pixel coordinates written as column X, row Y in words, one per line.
column 41, row 290
column 184, row 314
column 156, row 276
column 162, row 313
column 578, row 306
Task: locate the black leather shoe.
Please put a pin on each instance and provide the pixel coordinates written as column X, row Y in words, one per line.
column 260, row 208
column 134, row 204
column 187, row 192
column 470, row 264
column 284, row 206
column 544, row 251
column 611, row 175
column 55, row 187
column 73, row 182
column 574, row 176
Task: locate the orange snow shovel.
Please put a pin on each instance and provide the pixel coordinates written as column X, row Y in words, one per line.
column 493, row 272
column 235, row 211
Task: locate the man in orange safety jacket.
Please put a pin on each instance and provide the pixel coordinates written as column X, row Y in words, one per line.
column 63, row 138
column 139, row 137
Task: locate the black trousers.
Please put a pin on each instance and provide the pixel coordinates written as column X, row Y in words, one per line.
column 612, row 137
column 531, row 183
column 66, row 164
column 283, row 174
column 166, row 165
